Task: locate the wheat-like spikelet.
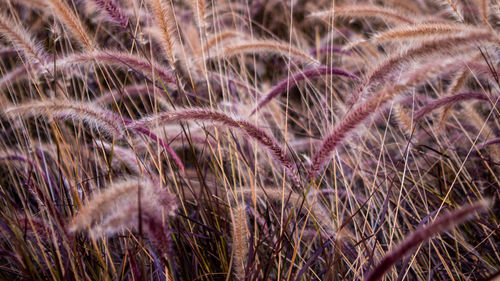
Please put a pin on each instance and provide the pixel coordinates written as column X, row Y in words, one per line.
column 265, row 47
column 423, row 30
column 196, row 114
column 448, row 43
column 361, row 112
column 63, row 12
column 293, row 80
column 165, row 23
column 129, row 203
column 483, row 6
column 118, row 59
column 240, row 240
column 423, row 234
column 96, row 117
column 448, row 101
column 404, row 121
column 199, row 10
column 123, row 194
column 218, row 38
column 113, row 12
column 103, row 203
column 364, row 11
column 15, row 75
column 455, row 10
column 456, row 84
column 22, row 40
column 122, row 60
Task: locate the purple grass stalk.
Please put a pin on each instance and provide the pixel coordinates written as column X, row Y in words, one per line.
column 145, row 131
column 219, row 117
column 359, row 114
column 159, row 233
column 423, row 234
column 14, row 75
column 490, row 142
column 120, row 59
column 293, row 80
column 7, row 51
column 448, row 101
column 450, row 43
column 114, row 12
column 106, row 57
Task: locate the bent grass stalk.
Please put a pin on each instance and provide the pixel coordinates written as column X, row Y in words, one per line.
column 200, row 114
column 113, row 12
column 364, row 11
column 65, row 14
column 293, row 80
column 451, row 44
column 423, row 234
column 265, row 47
column 22, row 40
column 91, row 114
column 108, row 122
column 448, row 101
column 105, row 57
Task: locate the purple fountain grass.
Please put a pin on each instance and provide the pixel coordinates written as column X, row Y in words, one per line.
column 358, row 114
column 489, row 142
column 354, row 118
column 249, row 129
column 88, row 113
column 448, row 100
column 219, row 38
column 15, row 75
column 104, row 57
column 165, row 22
column 426, row 48
column 129, row 203
column 110, row 123
column 264, row 47
column 22, row 40
column 199, row 10
column 122, row 60
column 113, row 11
column 293, row 80
column 365, row 10
column 423, row 234
column 62, row 11
column 420, row 31
column 239, row 223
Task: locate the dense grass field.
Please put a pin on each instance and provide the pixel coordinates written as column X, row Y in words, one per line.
column 249, row 140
